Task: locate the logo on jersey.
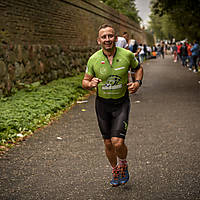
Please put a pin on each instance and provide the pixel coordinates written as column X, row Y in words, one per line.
column 112, row 80
column 112, row 83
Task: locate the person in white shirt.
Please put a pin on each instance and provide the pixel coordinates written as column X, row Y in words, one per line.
column 121, row 42
column 141, row 53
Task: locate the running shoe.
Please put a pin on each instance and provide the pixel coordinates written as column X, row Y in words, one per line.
column 115, row 177
column 124, row 175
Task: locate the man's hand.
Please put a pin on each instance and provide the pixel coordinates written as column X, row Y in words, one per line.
column 133, row 87
column 94, row 82
column 90, row 82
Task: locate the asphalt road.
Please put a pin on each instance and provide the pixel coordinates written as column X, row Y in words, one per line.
column 66, row 160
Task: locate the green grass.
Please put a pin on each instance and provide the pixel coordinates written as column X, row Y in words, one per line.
column 35, row 106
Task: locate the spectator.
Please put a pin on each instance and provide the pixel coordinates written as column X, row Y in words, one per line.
column 126, row 36
column 154, row 48
column 184, row 54
column 133, row 45
column 189, row 46
column 179, row 45
column 195, row 53
column 141, row 53
column 145, row 50
column 162, row 50
column 165, row 49
column 149, row 51
column 174, row 50
column 159, row 50
column 121, row 42
column 130, row 73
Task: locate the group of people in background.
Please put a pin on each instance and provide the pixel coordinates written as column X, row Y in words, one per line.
column 187, row 53
column 141, row 51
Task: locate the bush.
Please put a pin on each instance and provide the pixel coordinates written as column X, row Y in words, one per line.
column 34, row 106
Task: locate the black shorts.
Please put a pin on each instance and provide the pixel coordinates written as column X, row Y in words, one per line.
column 113, row 118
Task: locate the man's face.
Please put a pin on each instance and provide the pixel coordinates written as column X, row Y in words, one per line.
column 107, row 38
column 126, row 36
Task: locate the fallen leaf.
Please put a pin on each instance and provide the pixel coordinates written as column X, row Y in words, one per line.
column 19, row 135
column 82, row 101
column 137, row 101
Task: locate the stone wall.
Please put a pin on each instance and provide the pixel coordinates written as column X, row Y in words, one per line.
column 25, row 64
column 42, row 40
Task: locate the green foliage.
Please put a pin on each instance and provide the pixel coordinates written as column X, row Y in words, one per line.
column 34, row 106
column 177, row 18
column 149, row 38
column 126, row 7
column 155, row 26
column 163, row 27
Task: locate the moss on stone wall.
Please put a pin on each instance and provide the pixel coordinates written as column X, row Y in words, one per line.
column 32, row 63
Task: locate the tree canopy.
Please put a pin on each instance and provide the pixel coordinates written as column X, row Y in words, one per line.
column 175, row 19
column 126, row 7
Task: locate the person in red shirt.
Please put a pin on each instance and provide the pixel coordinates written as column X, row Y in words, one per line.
column 179, row 51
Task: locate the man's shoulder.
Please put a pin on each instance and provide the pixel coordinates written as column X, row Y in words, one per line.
column 127, row 55
column 96, row 54
column 125, row 52
column 122, row 50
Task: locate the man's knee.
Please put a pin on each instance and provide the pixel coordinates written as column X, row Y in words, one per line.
column 118, row 143
column 108, row 144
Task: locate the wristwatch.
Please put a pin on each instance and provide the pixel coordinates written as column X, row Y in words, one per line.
column 139, row 81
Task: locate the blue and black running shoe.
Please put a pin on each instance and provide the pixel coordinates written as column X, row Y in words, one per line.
column 116, row 177
column 124, row 175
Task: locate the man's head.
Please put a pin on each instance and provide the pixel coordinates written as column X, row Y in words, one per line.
column 107, row 37
column 126, row 36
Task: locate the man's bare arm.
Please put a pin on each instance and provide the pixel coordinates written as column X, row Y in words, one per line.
column 139, row 73
column 90, row 82
column 133, row 86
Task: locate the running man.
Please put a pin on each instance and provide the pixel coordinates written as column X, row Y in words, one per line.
column 107, row 70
